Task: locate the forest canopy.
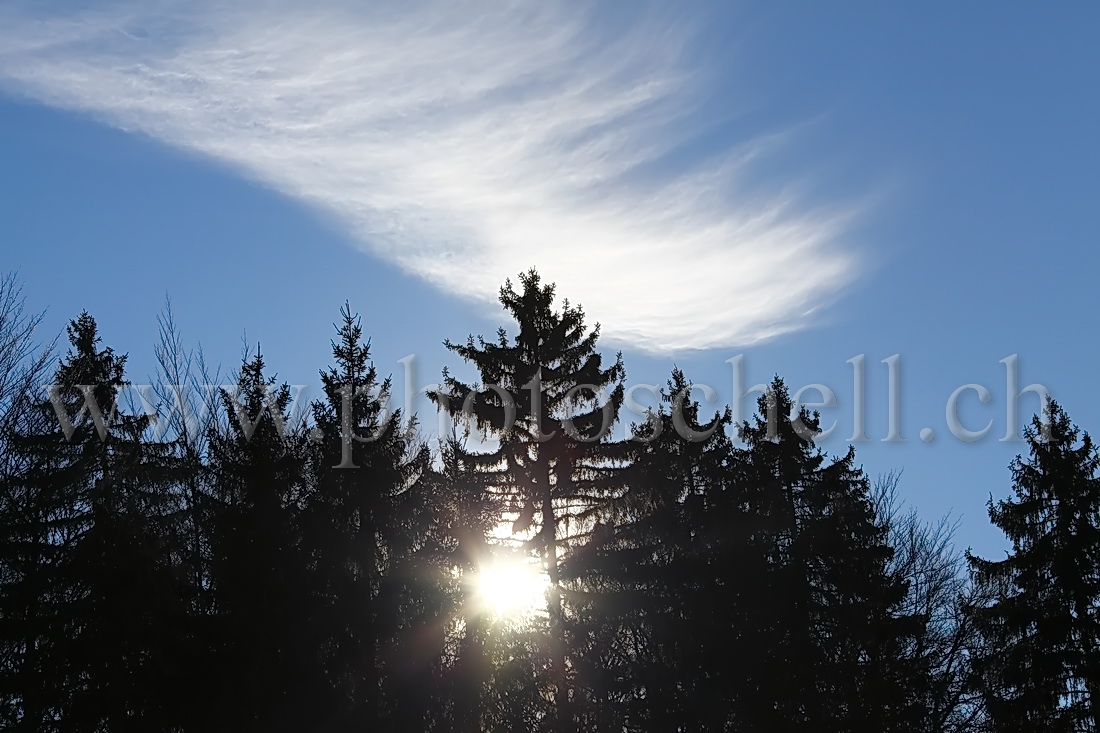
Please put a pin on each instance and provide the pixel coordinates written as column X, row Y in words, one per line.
column 242, row 566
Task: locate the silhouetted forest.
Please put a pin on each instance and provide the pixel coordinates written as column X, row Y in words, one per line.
column 235, row 566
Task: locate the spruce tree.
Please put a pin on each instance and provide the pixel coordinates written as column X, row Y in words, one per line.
column 259, row 654
column 90, row 601
column 547, row 400
column 644, row 598
column 823, row 640
column 370, row 530
column 1041, row 671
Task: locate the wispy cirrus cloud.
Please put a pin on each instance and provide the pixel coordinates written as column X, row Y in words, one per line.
column 465, row 142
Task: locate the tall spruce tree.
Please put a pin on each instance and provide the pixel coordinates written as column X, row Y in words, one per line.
column 646, row 592
column 1042, row 668
column 259, row 655
column 90, row 602
column 372, row 537
column 549, row 402
column 827, row 625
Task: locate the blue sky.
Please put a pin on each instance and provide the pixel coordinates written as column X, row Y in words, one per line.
column 797, row 183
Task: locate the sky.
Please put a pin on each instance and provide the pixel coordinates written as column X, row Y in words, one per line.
column 795, row 184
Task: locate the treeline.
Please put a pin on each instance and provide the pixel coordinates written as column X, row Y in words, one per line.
column 263, row 571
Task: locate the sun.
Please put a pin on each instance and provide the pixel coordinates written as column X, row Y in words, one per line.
column 510, row 587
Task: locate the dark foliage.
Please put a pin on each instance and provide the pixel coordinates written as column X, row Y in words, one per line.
column 1041, row 666
column 242, row 565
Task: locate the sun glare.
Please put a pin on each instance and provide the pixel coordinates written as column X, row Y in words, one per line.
column 510, row 587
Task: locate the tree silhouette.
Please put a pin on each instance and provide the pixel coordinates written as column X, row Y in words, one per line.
column 646, row 586
column 90, row 591
column 939, row 592
column 374, row 563
column 829, row 639
column 254, row 568
column 1042, row 668
column 549, row 402
column 258, row 462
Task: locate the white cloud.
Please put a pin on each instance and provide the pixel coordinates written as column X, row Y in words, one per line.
column 465, row 142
